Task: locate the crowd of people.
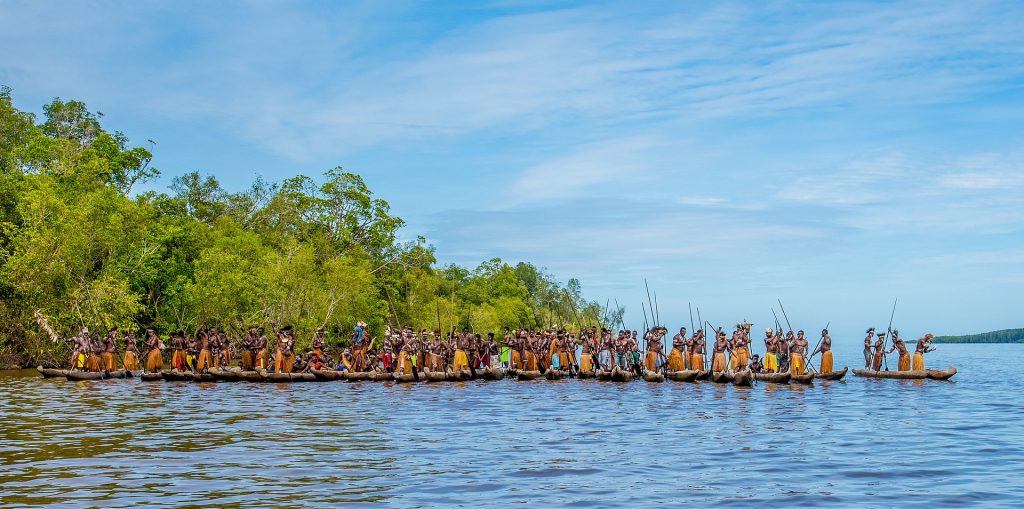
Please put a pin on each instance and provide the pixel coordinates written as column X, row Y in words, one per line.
column 405, row 350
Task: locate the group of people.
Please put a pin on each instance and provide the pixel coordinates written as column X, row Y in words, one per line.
column 405, row 350
column 875, row 352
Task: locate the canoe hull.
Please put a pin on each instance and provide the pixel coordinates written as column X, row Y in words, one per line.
column 934, row 374
column 832, row 375
column 654, row 377
column 689, row 375
column 774, row 378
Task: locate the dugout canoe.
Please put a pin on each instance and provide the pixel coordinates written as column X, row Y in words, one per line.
column 704, row 374
column 493, row 374
column 436, row 376
column 934, row 374
column 720, row 377
column 177, row 376
column 225, row 375
column 621, row 375
column 604, row 375
column 524, row 375
column 555, row 374
column 152, row 377
column 743, row 378
column 686, row 375
column 774, row 378
column 78, row 376
column 203, row 377
column 52, row 372
column 460, row 376
column 832, row 375
column 586, row 374
column 806, row 378
column 326, row 375
column 250, row 376
column 653, row 377
column 357, row 376
column 404, row 378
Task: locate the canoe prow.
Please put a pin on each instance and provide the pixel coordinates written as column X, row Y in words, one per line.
column 832, row 375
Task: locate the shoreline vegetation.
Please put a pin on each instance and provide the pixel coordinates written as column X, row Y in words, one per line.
column 999, row 336
column 79, row 245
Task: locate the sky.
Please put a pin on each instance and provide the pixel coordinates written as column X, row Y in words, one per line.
column 832, row 155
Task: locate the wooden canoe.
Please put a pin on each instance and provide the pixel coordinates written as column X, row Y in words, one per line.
column 436, row 376
column 276, row 377
column 604, row 375
column 686, row 375
column 774, row 378
column 493, row 374
column 528, row 375
column 52, row 373
column 77, row 376
column 357, row 376
column 177, row 376
column 250, row 376
column 704, row 374
column 653, row 377
column 133, row 374
column 934, row 374
column 225, row 375
column 621, row 375
column 586, row 374
column 721, row 377
column 325, row 375
column 806, row 378
column 555, row 374
column 404, row 378
column 460, row 376
column 832, row 375
column 203, row 377
column 743, row 378
column 152, row 377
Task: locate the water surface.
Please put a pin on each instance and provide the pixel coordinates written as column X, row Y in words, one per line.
column 877, row 443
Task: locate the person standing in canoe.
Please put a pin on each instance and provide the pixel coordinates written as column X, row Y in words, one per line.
column 359, row 345
column 797, row 351
column 262, row 345
column 154, row 353
column 460, row 360
column 319, row 342
column 96, row 349
column 677, row 356
column 248, row 350
column 178, row 351
column 879, row 346
column 826, row 352
column 204, row 360
column 697, row 348
column 655, row 350
column 867, row 348
column 898, row 345
column 924, row 345
column 285, row 355
column 771, row 347
column 108, row 357
column 718, row 361
column 131, row 352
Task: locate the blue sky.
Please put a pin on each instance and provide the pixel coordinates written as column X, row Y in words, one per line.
column 832, row 155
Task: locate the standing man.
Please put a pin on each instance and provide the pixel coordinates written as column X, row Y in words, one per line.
column 826, row 352
column 797, row 351
column 131, row 352
column 867, row 348
column 898, row 345
column 109, row 355
column 718, row 362
column 154, row 354
column 924, row 345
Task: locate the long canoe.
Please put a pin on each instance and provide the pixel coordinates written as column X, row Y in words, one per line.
column 621, row 375
column 436, row 376
column 806, row 378
column 493, row 374
column 76, row 376
column 743, row 378
column 152, row 377
column 704, row 374
column 653, row 377
column 775, row 378
column 586, row 374
column 604, row 375
column 404, row 378
column 357, row 376
column 555, row 374
column 176, row 376
column 934, row 374
column 523, row 375
column 686, row 375
column 225, row 375
column 52, row 372
column 721, row 377
column 832, row 375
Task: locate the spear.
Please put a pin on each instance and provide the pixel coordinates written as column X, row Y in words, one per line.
column 657, row 314
column 618, row 311
column 649, row 298
column 785, row 316
column 889, row 329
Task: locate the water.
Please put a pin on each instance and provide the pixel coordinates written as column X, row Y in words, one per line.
column 877, row 443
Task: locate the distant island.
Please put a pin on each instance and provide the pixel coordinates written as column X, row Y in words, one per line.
column 999, row 336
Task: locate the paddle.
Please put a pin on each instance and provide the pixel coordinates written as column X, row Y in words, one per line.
column 889, row 330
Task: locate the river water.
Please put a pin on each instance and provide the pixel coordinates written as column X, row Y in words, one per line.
column 876, row 443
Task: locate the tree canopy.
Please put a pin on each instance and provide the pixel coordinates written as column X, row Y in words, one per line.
column 78, row 244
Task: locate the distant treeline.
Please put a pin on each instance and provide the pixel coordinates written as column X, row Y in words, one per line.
column 999, row 336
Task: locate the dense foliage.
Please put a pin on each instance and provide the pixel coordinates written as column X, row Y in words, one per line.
column 78, row 244
column 999, row 336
